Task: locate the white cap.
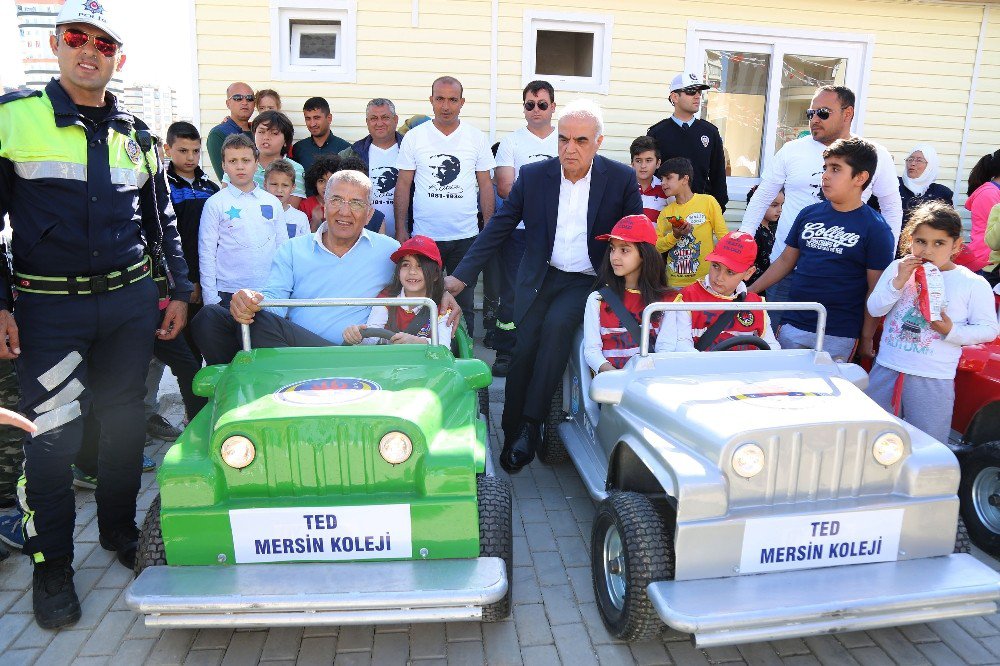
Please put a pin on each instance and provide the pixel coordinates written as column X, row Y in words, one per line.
column 688, row 80
column 91, row 12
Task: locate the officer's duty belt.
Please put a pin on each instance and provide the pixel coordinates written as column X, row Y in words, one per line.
column 83, row 286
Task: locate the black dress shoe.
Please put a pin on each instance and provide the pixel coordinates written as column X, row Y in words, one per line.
column 501, row 366
column 53, row 596
column 125, row 542
column 520, row 451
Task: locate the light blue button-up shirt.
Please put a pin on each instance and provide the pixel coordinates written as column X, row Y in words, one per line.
column 304, row 268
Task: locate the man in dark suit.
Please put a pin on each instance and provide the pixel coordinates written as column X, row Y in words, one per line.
column 564, row 203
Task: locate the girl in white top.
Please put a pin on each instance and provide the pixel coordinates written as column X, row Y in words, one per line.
column 418, row 275
column 914, row 373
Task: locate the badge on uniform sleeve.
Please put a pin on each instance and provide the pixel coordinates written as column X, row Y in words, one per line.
column 704, row 140
column 267, row 211
column 132, row 148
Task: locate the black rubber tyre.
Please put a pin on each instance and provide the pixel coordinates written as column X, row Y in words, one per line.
column 484, row 402
column 552, row 451
column 629, row 536
column 962, row 542
column 150, row 552
column 496, row 537
column 979, row 494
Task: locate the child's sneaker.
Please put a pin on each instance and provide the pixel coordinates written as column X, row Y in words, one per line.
column 10, row 530
column 83, row 480
column 160, row 428
column 148, row 464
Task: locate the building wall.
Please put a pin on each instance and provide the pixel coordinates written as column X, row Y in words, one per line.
column 917, row 89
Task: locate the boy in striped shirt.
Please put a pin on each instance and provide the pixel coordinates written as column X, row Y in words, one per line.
column 645, row 161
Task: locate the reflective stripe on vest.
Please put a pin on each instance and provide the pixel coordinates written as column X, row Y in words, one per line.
column 38, row 148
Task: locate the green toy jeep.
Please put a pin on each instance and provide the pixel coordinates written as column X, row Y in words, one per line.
column 331, row 486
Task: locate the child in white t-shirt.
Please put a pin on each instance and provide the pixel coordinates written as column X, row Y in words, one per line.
column 279, row 180
column 914, row 373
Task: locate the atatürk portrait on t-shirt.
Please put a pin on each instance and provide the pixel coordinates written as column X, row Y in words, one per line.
column 384, row 179
column 445, row 168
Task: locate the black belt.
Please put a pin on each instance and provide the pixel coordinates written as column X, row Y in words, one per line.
column 86, row 285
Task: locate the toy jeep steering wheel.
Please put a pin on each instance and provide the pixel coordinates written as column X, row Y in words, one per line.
column 739, row 340
column 383, row 333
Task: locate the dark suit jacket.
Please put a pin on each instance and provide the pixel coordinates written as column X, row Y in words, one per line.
column 534, row 198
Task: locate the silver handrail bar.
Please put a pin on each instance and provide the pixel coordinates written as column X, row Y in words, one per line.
column 347, row 302
column 652, row 308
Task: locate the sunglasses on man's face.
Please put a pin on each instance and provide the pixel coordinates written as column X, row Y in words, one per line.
column 690, row 92
column 239, row 98
column 75, row 39
column 530, row 106
column 822, row 112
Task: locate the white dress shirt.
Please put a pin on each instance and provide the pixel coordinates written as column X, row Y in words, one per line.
column 569, row 250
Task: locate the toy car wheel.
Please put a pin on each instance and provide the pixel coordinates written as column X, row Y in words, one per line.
column 962, row 542
column 484, row 402
column 552, row 451
column 150, row 552
column 630, row 548
column 496, row 538
column 979, row 492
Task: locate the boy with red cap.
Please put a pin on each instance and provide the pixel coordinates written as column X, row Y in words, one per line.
column 632, row 277
column 731, row 263
column 417, row 275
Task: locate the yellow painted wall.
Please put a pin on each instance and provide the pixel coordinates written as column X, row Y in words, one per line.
column 918, row 87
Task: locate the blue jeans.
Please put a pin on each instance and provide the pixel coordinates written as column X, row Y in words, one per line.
column 778, row 293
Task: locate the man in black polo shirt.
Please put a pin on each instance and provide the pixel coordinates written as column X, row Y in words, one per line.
column 685, row 135
column 321, row 141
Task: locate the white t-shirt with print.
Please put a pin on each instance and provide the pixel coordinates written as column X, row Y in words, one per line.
column 446, row 200
column 383, row 172
column 522, row 147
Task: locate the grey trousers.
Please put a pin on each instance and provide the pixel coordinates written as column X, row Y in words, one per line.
column 927, row 403
column 839, row 348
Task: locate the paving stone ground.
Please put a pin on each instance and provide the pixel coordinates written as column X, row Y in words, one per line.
column 554, row 619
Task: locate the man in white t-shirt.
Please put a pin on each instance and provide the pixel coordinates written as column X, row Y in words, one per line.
column 380, row 151
column 449, row 162
column 798, row 168
column 534, row 142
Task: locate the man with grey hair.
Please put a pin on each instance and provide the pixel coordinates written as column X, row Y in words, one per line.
column 341, row 259
column 379, row 151
column 565, row 202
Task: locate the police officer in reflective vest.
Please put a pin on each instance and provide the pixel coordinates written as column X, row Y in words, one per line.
column 91, row 219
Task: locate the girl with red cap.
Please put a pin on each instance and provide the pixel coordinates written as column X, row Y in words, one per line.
column 633, row 275
column 418, row 275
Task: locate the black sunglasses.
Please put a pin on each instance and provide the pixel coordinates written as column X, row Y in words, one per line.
column 690, row 92
column 822, row 112
column 239, row 98
column 530, row 106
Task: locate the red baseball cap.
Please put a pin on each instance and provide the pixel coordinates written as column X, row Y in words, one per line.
column 736, row 251
column 421, row 245
column 632, row 229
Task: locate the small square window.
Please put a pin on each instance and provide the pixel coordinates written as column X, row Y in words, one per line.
column 571, row 51
column 315, row 43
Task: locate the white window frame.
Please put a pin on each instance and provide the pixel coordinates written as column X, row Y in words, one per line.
column 857, row 48
column 285, row 65
column 600, row 25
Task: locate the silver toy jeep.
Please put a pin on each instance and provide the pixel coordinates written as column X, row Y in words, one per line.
column 759, row 495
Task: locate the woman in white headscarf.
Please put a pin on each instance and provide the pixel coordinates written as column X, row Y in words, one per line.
column 917, row 186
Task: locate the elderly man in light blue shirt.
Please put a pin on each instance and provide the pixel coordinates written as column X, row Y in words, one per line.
column 341, row 260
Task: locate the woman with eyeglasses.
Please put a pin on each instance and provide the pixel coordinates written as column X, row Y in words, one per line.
column 984, row 194
column 916, row 185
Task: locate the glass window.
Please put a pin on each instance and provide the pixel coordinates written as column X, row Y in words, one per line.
column 736, row 105
column 566, row 53
column 314, row 42
column 800, row 76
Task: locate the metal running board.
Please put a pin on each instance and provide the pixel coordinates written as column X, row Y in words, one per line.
column 764, row 607
column 302, row 594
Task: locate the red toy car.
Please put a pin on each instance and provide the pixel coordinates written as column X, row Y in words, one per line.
column 976, row 420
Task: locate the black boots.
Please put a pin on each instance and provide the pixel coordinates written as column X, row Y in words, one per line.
column 54, row 597
column 125, row 542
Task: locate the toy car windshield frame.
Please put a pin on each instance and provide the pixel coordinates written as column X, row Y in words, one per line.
column 346, row 302
column 682, row 306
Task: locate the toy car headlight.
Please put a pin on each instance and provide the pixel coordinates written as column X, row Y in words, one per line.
column 888, row 449
column 238, row 451
column 395, row 447
column 748, row 460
